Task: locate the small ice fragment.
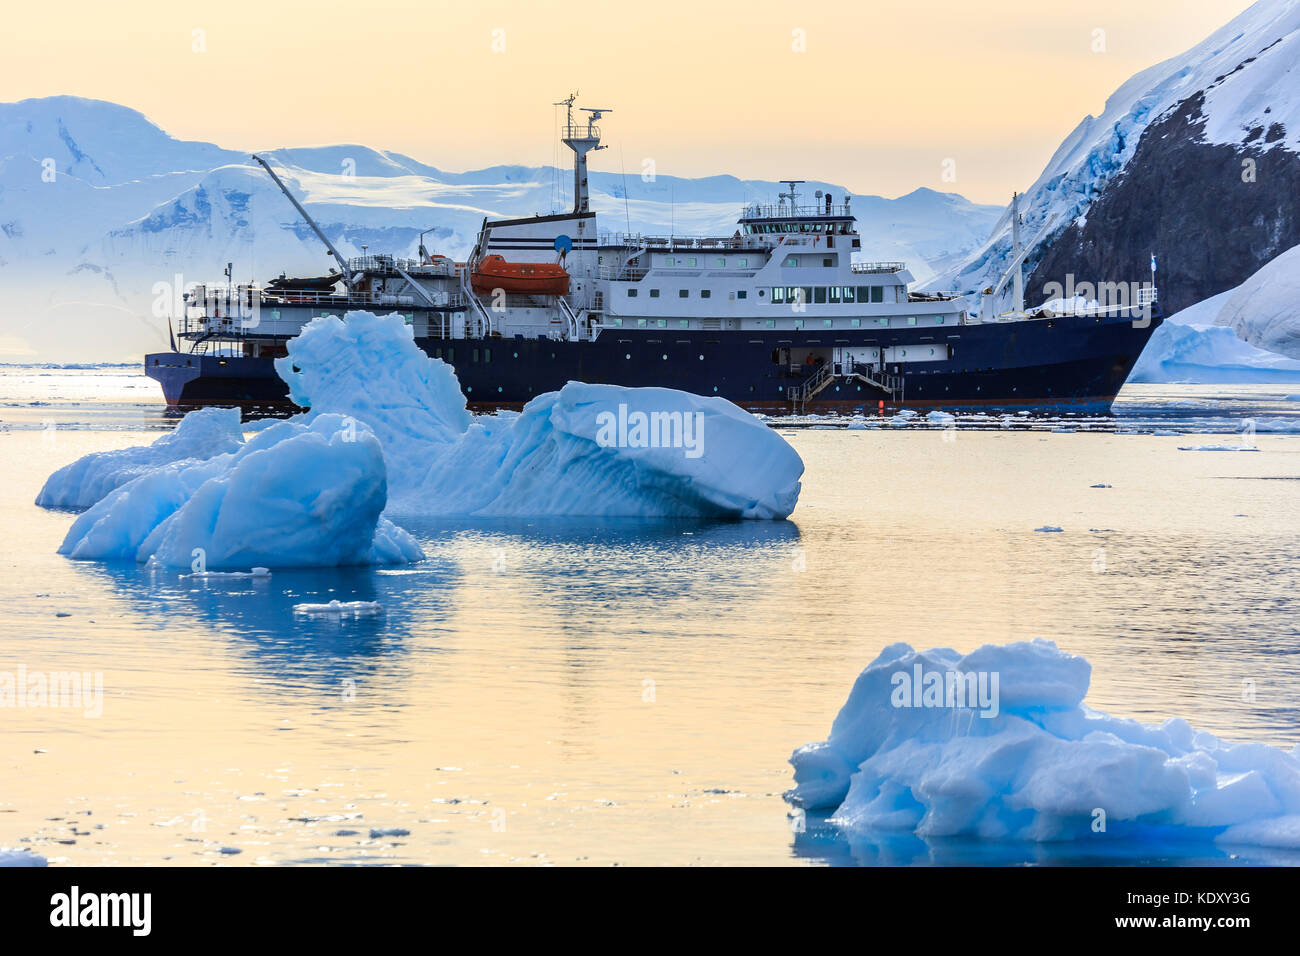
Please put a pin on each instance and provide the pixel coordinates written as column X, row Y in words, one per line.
column 1049, row 528
column 376, row 834
column 205, row 575
column 340, row 609
column 1218, row 448
column 1099, row 485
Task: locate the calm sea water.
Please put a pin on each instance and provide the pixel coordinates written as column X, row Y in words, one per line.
column 628, row 692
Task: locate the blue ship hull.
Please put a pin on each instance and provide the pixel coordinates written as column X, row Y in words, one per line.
column 1074, row 363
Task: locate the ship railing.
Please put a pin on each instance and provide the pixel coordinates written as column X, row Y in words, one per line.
column 786, row 211
column 389, row 265
column 878, row 268
column 672, row 243
column 581, row 131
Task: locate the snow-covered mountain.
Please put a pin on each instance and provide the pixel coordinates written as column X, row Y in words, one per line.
column 1196, row 159
column 100, row 210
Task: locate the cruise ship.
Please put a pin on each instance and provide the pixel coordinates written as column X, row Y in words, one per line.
column 785, row 315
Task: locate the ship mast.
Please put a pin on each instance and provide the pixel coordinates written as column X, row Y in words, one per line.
column 582, row 140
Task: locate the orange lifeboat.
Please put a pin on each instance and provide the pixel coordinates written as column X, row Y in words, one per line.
column 535, row 278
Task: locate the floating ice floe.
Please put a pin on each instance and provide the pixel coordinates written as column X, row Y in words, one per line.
column 1218, row 448
column 12, row 856
column 340, row 609
column 257, row 573
column 1049, row 529
column 998, row 744
column 200, row 435
column 1099, row 485
column 592, row 450
column 297, row 494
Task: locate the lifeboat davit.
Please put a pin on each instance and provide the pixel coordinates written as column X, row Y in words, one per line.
column 533, row 278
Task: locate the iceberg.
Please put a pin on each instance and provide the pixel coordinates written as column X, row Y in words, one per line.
column 296, row 494
column 388, row 429
column 200, row 435
column 998, row 744
column 586, row 450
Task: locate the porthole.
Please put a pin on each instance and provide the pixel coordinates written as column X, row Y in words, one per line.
column 628, row 356
column 665, row 356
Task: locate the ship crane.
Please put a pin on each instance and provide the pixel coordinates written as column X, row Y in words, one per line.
column 1014, row 272
column 343, row 264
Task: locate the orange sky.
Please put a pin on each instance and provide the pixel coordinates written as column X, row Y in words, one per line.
column 877, row 99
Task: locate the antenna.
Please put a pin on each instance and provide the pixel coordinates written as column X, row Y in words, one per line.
column 791, row 195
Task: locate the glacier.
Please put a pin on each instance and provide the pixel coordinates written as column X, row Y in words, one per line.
column 201, row 434
column 388, row 430
column 1020, row 757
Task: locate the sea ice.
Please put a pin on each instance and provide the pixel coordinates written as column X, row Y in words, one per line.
column 340, row 609
column 200, row 435
column 1019, row 756
column 12, row 856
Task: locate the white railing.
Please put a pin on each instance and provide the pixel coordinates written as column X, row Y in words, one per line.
column 877, row 268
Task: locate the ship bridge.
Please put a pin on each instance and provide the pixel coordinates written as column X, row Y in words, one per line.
column 825, row 217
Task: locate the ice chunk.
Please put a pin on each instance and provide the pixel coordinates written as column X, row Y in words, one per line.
column 1049, row 529
column 584, row 450
column 200, row 435
column 999, row 744
column 339, row 609
column 295, row 495
column 12, row 856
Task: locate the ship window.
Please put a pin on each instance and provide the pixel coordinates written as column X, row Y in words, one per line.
column 807, row 293
column 654, row 293
column 616, row 322
column 791, row 262
column 451, row 355
column 856, row 323
column 668, row 260
column 275, row 313
column 661, row 323
column 792, row 295
column 487, row 355
column 938, row 320
column 474, row 356
column 835, row 294
column 704, row 293
column 827, row 323
column 778, row 295
column 437, row 353
column 864, row 293
column 631, row 293
column 640, row 323
column 683, row 323
column 743, row 263
column 798, row 323
column 827, row 263
column 911, row 320
column 722, row 262
column 690, row 261
column 769, row 323
column 742, row 294
column 683, row 293
column 819, row 294
column 877, row 293
column 882, row 322
column 846, row 294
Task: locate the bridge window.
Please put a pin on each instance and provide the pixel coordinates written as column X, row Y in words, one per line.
column 683, row 293
column 654, row 293
column 742, row 294
column 778, row 295
column 791, row 262
column 631, row 293
column 819, row 294
column 877, row 293
column 705, row 293
column 835, row 294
